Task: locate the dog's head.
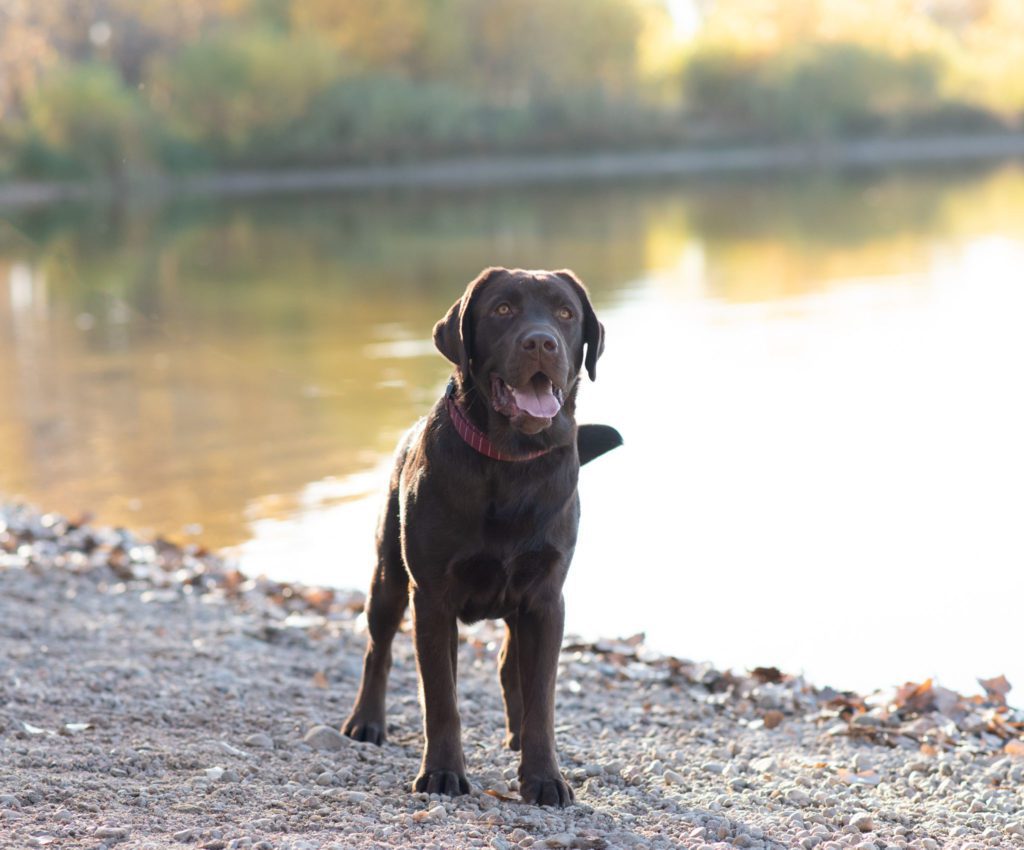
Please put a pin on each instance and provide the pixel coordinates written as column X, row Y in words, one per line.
column 520, row 338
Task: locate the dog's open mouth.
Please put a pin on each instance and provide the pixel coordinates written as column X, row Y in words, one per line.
column 538, row 397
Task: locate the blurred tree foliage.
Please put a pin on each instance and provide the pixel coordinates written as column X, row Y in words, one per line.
column 117, row 87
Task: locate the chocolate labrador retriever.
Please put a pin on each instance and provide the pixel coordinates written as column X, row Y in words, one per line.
column 481, row 519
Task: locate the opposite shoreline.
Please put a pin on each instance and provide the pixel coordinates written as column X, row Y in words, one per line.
column 468, row 173
column 151, row 696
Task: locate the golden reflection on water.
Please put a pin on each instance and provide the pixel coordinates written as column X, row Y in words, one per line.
column 807, row 374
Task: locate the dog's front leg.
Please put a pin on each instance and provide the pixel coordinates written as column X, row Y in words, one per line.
column 511, row 692
column 436, row 636
column 539, row 642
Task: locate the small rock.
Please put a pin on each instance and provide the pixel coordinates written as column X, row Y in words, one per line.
column 114, row 832
column 324, row 738
column 863, row 821
column 862, row 761
column 325, row 779
column 773, row 718
column 185, row 836
column 214, row 774
column 561, row 839
column 713, row 767
column 436, row 814
column 350, row 796
column 673, row 778
column 764, row 765
column 260, row 741
column 798, row 797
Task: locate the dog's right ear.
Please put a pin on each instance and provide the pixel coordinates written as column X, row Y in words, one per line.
column 453, row 335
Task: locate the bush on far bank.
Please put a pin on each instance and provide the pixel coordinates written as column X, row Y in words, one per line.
column 298, row 83
column 81, row 121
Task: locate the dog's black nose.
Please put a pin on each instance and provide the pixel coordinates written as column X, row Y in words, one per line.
column 539, row 339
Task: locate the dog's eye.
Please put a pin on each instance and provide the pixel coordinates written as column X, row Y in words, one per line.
column 563, row 313
column 503, row 309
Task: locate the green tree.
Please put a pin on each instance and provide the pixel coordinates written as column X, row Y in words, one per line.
column 234, row 90
column 85, row 114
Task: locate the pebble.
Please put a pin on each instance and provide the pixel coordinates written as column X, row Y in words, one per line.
column 324, row 738
column 435, row 814
column 863, row 822
column 115, row 832
column 673, row 777
column 798, row 797
column 260, row 741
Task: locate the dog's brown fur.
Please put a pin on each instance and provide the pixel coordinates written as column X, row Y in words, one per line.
column 464, row 536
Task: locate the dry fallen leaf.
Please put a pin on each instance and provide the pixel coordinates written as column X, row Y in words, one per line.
column 997, row 688
column 916, row 697
column 767, row 674
column 505, row 798
column 233, row 579
column 319, row 598
column 320, row 679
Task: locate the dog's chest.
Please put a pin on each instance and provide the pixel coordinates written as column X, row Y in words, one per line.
column 488, row 585
column 516, row 553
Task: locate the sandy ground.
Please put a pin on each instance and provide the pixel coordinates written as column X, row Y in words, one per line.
column 152, row 697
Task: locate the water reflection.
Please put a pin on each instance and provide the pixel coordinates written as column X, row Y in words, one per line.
column 815, row 380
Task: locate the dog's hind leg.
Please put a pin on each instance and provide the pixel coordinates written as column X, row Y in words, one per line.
column 511, row 688
column 388, row 599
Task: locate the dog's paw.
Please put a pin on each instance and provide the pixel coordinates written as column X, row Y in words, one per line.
column 546, row 791
column 450, row 783
column 512, row 740
column 368, row 731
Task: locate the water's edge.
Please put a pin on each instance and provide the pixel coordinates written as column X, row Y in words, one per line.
column 485, row 171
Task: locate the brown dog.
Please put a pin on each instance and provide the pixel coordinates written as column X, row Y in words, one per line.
column 481, row 519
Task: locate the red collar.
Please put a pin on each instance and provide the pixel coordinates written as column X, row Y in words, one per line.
column 476, row 438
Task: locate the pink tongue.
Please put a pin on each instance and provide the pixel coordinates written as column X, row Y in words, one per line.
column 539, row 403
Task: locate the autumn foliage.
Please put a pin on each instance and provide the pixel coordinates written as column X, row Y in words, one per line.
column 114, row 88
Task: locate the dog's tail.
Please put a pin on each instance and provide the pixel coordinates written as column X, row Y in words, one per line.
column 594, row 440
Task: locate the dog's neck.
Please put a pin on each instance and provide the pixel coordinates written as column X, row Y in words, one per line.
column 477, row 439
column 467, row 408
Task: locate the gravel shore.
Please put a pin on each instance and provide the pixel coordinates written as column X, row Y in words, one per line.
column 150, row 696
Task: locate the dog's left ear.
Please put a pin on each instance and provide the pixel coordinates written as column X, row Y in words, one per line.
column 453, row 335
column 593, row 330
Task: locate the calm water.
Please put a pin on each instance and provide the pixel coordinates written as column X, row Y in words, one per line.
column 819, row 384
